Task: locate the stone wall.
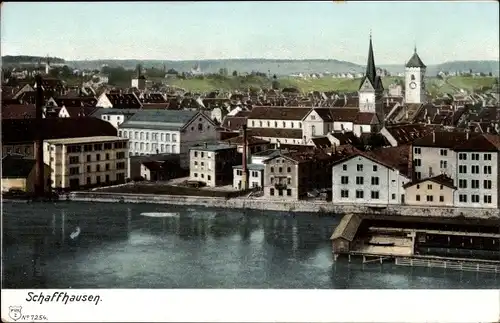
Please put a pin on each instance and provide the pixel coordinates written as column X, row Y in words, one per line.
column 286, row 206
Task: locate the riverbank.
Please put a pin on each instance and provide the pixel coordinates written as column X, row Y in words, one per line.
column 283, row 206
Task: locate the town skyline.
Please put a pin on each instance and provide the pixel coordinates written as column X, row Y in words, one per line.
column 233, row 35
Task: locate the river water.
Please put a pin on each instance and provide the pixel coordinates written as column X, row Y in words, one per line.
column 201, row 248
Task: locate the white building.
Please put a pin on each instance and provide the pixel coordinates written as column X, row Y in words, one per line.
column 256, row 169
column 477, row 176
column 415, row 80
column 277, row 124
column 114, row 116
column 362, row 179
column 167, row 131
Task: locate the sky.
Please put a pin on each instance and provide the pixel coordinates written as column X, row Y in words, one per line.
column 442, row 30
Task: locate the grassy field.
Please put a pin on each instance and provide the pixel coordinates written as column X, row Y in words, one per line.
column 434, row 85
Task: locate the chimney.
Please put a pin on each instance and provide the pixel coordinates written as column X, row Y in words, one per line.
column 40, row 182
column 433, row 137
column 428, row 120
column 205, row 145
column 244, row 177
column 467, row 135
column 488, row 129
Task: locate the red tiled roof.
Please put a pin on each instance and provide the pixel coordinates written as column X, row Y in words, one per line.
column 407, row 133
column 234, row 123
column 442, row 139
column 482, row 142
column 278, row 113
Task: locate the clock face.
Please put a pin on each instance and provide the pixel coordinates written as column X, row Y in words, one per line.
column 413, row 85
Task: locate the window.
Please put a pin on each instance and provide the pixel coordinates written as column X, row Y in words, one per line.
column 487, row 156
column 441, row 198
column 147, row 135
column 344, row 180
column 89, row 169
column 443, row 164
column 417, row 197
column 375, row 181
column 344, row 194
column 487, row 199
column 418, row 151
column 429, row 186
column 289, row 180
column 475, row 169
column 89, row 181
column 289, row 169
column 417, row 162
column 209, row 177
column 280, row 192
column 289, row 192
column 487, row 170
column 360, row 194
column 344, row 167
column 167, row 137
column 418, row 186
column 462, row 169
column 98, row 157
column 475, row 156
column 359, row 180
column 413, row 77
column 74, row 160
column 162, row 137
column 375, row 168
column 202, row 175
column 443, row 152
column 462, row 198
column 462, row 156
column 107, row 166
column 272, row 169
column 475, row 198
column 418, row 175
column 97, row 168
column 440, row 187
column 276, row 124
column 487, row 184
column 271, row 191
column 474, row 183
column 429, row 198
column 120, row 165
column 280, row 170
column 200, row 126
column 393, row 196
column 359, row 167
column 462, row 183
column 107, row 156
column 174, row 137
column 375, row 195
column 74, row 170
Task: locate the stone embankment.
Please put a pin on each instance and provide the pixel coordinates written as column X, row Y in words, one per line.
column 286, row 206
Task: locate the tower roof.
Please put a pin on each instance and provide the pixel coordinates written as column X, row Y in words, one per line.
column 371, row 69
column 415, row 61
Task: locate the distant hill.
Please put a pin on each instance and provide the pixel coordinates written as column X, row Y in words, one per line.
column 279, row 66
column 7, row 60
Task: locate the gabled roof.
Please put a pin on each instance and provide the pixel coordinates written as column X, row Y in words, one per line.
column 173, row 120
column 440, row 179
column 443, row 139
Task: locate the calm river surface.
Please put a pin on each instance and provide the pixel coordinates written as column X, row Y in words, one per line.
column 201, row 248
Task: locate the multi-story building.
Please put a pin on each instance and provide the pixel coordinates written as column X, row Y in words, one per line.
column 277, row 124
column 114, row 116
column 87, row 161
column 255, row 168
column 167, row 131
column 19, row 135
column 434, row 154
column 362, row 178
column 434, row 191
column 477, row 177
column 292, row 175
column 213, row 164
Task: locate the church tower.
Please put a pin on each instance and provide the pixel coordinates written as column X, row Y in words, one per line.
column 414, row 80
column 371, row 89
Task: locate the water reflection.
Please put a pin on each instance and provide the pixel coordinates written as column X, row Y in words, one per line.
column 202, row 248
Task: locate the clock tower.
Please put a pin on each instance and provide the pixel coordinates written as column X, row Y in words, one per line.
column 415, row 80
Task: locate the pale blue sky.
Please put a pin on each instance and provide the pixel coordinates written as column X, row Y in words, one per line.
column 442, row 30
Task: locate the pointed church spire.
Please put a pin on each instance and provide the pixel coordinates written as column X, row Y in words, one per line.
column 371, row 70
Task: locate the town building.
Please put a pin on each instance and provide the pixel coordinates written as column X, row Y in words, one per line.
column 278, row 125
column 167, row 131
column 87, row 161
column 118, row 101
column 255, row 168
column 363, row 178
column 291, row 175
column 212, row 164
column 19, row 135
column 19, row 174
column 433, row 191
column 415, row 92
column 477, row 177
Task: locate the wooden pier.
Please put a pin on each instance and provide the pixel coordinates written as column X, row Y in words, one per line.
column 410, row 244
